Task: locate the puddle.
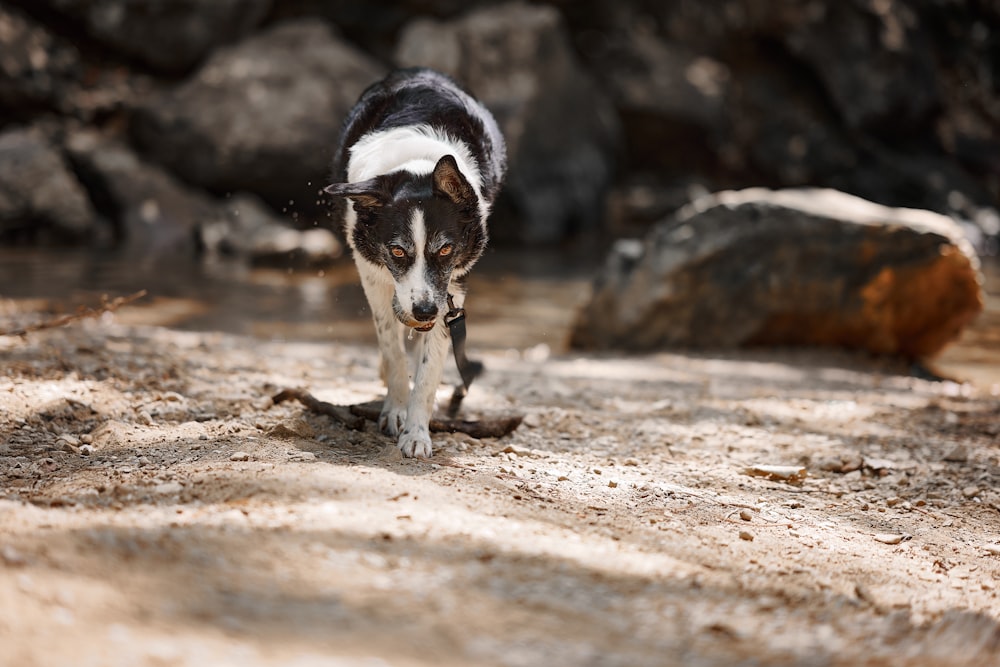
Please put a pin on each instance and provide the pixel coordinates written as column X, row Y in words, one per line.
column 516, row 299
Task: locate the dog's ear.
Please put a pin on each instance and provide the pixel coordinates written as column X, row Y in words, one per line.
column 368, row 193
column 449, row 182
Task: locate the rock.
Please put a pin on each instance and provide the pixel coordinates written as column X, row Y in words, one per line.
column 873, row 59
column 245, row 227
column 263, row 115
column 666, row 94
column 562, row 133
column 958, row 454
column 169, row 35
column 155, row 213
column 746, row 535
column 239, row 456
column 38, row 70
column 888, row 538
column 151, row 210
column 41, row 200
column 802, row 267
column 168, row 488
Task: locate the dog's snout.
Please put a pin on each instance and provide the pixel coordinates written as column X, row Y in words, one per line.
column 425, row 311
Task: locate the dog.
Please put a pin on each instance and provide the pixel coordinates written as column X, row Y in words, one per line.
column 419, row 165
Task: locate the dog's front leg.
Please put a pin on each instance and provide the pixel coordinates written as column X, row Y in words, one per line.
column 393, row 362
column 415, row 440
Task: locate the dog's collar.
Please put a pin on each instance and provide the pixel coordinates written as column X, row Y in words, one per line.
column 468, row 370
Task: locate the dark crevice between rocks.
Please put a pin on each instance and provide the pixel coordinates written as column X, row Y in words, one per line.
column 108, row 208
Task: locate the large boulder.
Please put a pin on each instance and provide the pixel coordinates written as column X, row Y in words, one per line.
column 762, row 267
column 41, row 201
column 562, row 132
column 155, row 214
column 150, row 210
column 262, row 116
column 38, row 70
column 169, row 35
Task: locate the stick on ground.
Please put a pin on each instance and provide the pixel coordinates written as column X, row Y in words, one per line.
column 82, row 313
column 354, row 416
column 339, row 413
column 496, row 427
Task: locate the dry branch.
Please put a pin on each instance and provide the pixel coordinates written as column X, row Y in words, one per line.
column 340, row 413
column 354, row 416
column 81, row 313
column 484, row 428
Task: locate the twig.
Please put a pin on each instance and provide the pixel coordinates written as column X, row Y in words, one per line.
column 340, row 413
column 82, row 313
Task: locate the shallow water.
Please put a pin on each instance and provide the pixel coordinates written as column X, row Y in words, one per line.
column 517, row 300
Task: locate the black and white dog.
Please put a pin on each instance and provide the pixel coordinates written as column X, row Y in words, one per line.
column 420, row 163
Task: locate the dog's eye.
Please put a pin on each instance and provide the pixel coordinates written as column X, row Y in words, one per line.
column 397, row 251
column 445, row 250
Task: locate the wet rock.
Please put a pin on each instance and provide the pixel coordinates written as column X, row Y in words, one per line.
column 562, row 132
column 38, row 70
column 154, row 212
column 169, row 35
column 244, row 227
column 262, row 116
column 41, row 200
column 761, row 267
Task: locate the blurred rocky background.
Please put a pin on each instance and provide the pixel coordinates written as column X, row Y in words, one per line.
column 207, row 126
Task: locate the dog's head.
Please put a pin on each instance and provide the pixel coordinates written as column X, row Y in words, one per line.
column 423, row 228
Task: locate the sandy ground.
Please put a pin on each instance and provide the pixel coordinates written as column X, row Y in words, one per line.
column 156, row 509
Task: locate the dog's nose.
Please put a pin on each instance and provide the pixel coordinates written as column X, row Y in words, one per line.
column 425, row 312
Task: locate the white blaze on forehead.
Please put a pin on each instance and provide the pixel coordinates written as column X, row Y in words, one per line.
column 413, row 286
column 418, row 229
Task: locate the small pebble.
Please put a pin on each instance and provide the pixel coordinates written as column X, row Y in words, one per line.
column 613, row 484
column 11, row 556
column 970, row 491
column 892, row 502
column 86, row 450
column 144, row 461
column 239, row 456
column 746, row 515
column 168, row 488
column 145, row 418
column 960, row 454
column 887, row 538
column 532, row 420
column 746, row 535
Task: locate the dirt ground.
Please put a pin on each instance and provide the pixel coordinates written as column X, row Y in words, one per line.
column 157, row 509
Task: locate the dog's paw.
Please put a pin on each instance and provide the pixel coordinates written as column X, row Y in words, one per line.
column 415, row 442
column 390, row 421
